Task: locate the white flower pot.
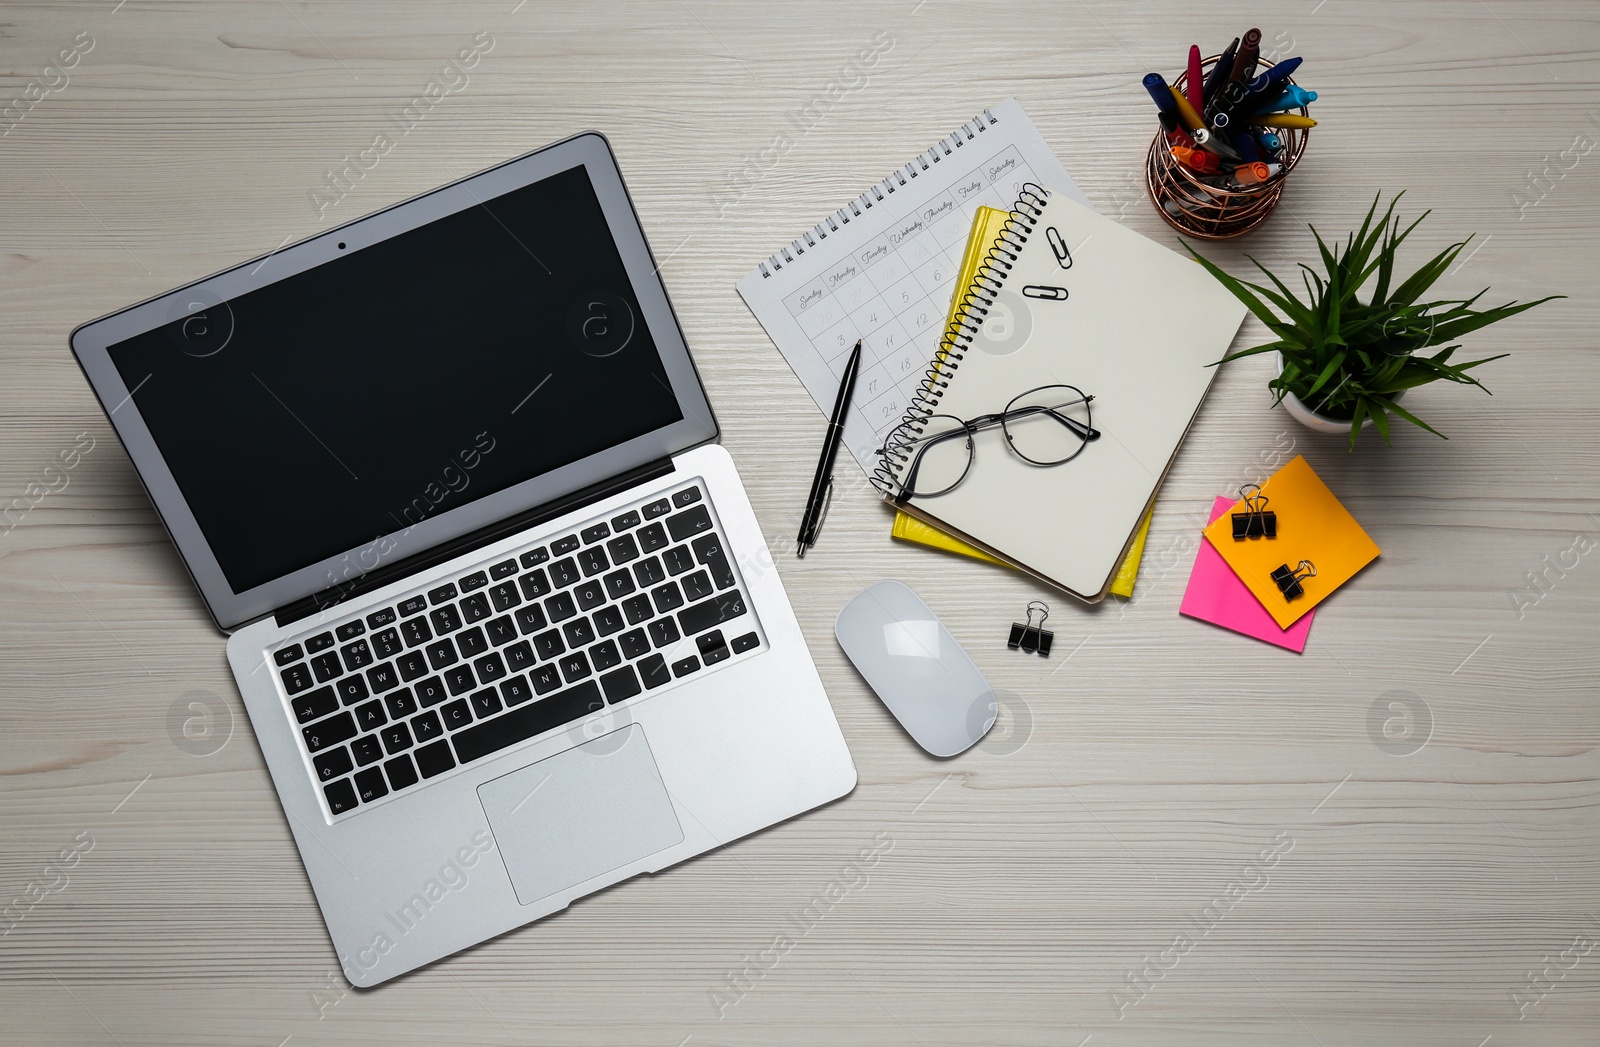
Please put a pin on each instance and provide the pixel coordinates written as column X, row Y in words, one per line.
column 1316, row 422
column 1320, row 423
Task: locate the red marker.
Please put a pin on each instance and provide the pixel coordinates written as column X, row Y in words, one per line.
column 1175, row 132
column 1192, row 85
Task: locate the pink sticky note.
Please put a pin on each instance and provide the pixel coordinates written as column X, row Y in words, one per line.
column 1216, row 595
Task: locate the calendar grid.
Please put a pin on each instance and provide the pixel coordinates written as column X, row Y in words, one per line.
column 889, row 281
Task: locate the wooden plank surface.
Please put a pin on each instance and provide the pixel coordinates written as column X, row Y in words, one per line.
column 1417, row 898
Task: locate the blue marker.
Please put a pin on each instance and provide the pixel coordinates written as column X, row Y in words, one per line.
column 1293, row 97
column 1220, row 73
column 1156, row 84
column 1276, row 75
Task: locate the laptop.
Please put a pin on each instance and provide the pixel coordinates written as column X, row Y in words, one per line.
column 499, row 608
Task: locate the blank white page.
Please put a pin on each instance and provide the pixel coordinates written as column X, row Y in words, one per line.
column 1138, row 329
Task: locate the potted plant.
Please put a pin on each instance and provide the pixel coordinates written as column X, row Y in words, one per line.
column 1344, row 362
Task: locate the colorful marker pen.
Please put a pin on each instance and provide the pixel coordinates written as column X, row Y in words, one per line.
column 1207, row 140
column 1219, row 75
column 1251, row 174
column 1282, row 120
column 1198, row 159
column 1292, row 97
column 1176, row 135
column 1244, row 67
column 1160, row 93
column 1191, row 119
column 1192, row 85
column 1277, row 74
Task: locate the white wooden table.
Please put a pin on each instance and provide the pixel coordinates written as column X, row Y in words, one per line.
column 1423, row 885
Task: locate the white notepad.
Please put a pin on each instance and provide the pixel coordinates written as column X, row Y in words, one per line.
column 1137, row 329
column 882, row 269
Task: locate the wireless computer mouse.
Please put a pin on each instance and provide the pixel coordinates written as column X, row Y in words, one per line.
column 916, row 667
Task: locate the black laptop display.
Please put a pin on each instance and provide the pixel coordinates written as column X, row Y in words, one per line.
column 299, row 424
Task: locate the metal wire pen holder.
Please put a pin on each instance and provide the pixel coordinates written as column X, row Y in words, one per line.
column 1207, row 207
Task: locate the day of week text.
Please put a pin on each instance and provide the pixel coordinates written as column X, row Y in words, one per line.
column 839, row 276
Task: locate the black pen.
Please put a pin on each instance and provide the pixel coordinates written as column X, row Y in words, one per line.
column 823, row 481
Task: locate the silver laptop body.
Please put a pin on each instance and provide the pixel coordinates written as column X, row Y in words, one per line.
column 569, row 659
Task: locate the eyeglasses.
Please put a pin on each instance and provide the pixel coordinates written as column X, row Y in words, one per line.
column 1044, row 426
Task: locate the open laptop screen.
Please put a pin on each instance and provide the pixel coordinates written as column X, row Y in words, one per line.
column 402, row 380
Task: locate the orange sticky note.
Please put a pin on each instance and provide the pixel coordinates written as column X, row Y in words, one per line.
column 1312, row 525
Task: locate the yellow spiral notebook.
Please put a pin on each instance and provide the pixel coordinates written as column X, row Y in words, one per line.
column 909, row 528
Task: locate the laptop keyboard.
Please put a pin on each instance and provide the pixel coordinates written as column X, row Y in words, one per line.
column 611, row 612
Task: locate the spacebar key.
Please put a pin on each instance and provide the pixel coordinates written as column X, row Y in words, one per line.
column 474, row 743
column 706, row 613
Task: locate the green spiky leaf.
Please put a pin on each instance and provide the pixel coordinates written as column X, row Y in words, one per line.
column 1346, row 357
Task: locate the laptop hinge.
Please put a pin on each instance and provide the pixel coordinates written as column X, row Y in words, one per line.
column 383, row 575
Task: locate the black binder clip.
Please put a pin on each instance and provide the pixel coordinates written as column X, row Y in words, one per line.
column 1257, row 521
column 1289, row 579
column 1031, row 638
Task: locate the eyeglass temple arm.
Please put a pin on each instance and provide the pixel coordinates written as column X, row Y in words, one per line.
column 1087, row 432
column 916, row 462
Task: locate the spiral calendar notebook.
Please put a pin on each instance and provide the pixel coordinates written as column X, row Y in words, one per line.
column 1068, row 296
column 882, row 269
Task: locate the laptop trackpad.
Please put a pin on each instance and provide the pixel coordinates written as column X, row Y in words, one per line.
column 580, row 814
